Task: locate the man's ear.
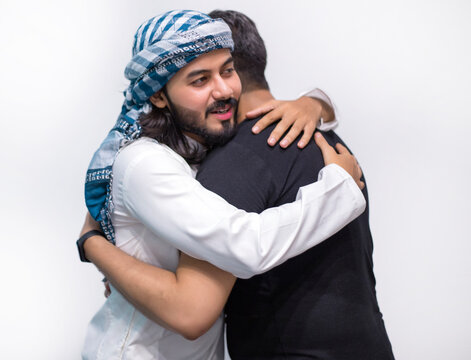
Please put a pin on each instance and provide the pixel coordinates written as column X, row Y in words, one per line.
column 159, row 99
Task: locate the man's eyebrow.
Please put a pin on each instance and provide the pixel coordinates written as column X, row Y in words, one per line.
column 228, row 61
column 202, row 71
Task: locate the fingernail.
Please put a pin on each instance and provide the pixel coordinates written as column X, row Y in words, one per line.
column 301, row 143
column 271, row 141
column 284, row 143
column 255, row 129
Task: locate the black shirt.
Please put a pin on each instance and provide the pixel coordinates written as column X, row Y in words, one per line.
column 319, row 305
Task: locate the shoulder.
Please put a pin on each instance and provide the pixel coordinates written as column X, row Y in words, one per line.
column 244, row 155
column 248, row 148
column 276, row 156
column 144, row 146
column 147, row 155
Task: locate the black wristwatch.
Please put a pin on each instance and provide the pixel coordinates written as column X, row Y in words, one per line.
column 82, row 240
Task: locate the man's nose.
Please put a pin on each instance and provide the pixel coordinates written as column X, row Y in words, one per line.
column 222, row 89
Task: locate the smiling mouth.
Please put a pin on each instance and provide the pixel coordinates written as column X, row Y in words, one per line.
column 222, row 109
column 222, row 113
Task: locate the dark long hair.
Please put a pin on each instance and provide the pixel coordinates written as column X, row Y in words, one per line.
column 159, row 124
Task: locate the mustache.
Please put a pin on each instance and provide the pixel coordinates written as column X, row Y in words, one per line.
column 221, row 104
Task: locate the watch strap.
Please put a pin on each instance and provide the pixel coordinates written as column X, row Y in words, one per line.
column 81, row 242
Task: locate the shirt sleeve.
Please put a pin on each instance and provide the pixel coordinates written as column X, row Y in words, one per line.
column 319, row 94
column 160, row 193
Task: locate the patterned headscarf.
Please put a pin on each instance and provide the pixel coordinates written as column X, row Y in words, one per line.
column 162, row 46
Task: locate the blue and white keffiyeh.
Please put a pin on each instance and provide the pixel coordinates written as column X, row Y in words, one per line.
column 162, row 46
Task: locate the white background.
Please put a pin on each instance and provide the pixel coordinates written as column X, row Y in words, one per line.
column 399, row 73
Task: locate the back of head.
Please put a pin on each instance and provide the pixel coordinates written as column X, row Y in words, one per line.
column 250, row 54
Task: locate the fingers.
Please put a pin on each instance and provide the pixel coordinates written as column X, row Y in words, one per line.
column 280, row 127
column 342, row 149
column 107, row 289
column 307, row 135
column 266, row 120
column 344, row 159
column 259, row 111
column 326, row 149
column 293, row 132
column 266, row 109
column 360, row 172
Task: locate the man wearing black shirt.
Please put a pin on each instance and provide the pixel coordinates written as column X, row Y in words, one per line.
column 321, row 304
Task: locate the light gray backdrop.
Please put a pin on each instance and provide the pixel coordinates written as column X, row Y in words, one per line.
column 399, row 73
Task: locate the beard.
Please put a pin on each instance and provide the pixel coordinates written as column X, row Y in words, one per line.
column 191, row 121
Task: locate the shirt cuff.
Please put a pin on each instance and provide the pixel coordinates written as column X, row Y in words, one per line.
column 319, row 94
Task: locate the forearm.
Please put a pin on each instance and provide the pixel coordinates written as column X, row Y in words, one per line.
column 188, row 301
column 175, row 207
column 140, row 283
column 246, row 244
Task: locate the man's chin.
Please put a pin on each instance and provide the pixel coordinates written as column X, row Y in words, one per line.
column 211, row 130
column 221, row 137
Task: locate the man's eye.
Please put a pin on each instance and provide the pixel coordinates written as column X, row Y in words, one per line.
column 199, row 81
column 228, row 71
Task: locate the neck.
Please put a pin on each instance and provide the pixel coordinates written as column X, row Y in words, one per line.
column 250, row 100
